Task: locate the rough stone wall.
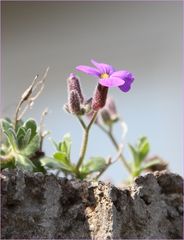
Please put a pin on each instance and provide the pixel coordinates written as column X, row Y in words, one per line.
column 37, row 206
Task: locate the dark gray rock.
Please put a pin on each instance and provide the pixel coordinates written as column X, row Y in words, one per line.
column 37, row 206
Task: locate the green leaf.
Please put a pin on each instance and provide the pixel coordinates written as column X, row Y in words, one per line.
column 62, row 147
column 5, row 125
column 31, row 124
column 27, row 138
column 65, row 146
column 143, row 148
column 95, row 164
column 50, row 163
column 136, row 172
column 32, row 147
column 54, row 164
column 21, row 131
column 20, row 136
column 150, row 164
column 11, row 136
column 135, row 155
column 62, row 157
column 23, row 163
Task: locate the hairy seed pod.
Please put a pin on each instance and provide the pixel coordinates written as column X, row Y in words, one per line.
column 74, row 85
column 74, row 103
column 99, row 97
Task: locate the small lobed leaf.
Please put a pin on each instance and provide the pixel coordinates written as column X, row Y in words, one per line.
column 135, row 155
column 5, row 125
column 27, row 138
column 23, row 163
column 63, row 147
column 20, row 136
column 49, row 163
column 61, row 157
column 11, row 136
column 31, row 124
column 53, row 163
column 21, row 132
column 95, row 164
column 143, row 148
column 32, row 147
column 66, row 146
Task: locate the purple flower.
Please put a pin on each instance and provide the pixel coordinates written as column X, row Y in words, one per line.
column 108, row 76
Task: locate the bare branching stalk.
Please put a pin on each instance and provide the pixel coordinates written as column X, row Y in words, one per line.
column 28, row 98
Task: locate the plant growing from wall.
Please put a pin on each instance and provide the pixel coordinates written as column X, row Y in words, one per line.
column 22, row 144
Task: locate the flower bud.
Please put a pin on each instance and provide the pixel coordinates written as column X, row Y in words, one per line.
column 74, row 85
column 74, row 103
column 99, row 97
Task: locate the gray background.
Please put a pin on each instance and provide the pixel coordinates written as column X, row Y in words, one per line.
column 142, row 37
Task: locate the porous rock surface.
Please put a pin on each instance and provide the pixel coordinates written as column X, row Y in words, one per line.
column 37, row 206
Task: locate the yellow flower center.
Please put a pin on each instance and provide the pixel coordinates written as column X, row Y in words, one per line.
column 104, row 75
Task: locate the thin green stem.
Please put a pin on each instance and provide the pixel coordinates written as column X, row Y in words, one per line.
column 83, row 149
column 92, row 120
column 85, row 140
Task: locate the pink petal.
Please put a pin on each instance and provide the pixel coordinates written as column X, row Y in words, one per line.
column 104, row 68
column 121, row 74
column 88, row 70
column 125, row 87
column 111, row 82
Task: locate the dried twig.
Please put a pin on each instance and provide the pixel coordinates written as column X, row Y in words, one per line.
column 27, row 97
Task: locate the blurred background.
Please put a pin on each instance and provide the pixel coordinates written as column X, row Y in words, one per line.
column 142, row 37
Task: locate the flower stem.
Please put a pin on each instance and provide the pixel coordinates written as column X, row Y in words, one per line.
column 85, row 140
column 82, row 122
column 113, row 140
